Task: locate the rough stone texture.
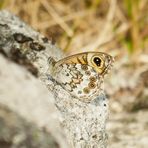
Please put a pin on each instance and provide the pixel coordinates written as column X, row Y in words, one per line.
column 84, row 123
column 28, row 105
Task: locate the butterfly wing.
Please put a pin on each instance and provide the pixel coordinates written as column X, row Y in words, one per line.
column 82, row 74
column 81, row 81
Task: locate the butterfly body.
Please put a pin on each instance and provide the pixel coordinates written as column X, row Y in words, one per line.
column 82, row 74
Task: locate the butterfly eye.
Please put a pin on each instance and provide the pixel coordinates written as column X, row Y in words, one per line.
column 97, row 61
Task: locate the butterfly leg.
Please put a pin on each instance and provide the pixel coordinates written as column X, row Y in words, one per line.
column 51, row 61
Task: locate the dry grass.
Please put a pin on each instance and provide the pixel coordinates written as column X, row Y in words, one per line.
column 115, row 26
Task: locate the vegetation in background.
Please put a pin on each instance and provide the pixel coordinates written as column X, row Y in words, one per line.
column 87, row 25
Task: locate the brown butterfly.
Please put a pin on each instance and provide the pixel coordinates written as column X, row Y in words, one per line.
column 82, row 74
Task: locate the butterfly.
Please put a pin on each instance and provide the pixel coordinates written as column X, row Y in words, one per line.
column 82, row 74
